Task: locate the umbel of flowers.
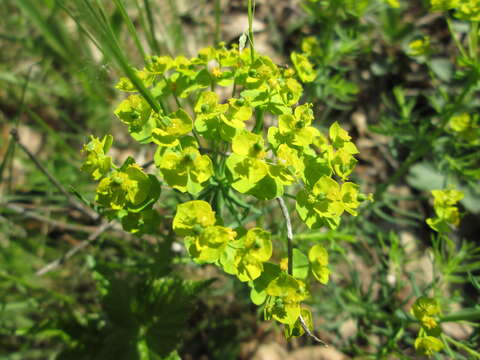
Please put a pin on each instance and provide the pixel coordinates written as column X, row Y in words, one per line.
column 216, row 148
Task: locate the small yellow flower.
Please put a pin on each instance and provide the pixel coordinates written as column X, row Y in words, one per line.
column 419, row 47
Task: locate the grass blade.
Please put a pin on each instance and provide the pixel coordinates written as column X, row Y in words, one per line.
column 130, row 26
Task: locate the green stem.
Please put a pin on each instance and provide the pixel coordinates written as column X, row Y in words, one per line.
column 130, row 27
column 234, row 89
column 6, row 159
column 217, row 21
column 462, row 346
column 243, row 204
column 219, row 202
column 231, row 208
column 455, row 39
column 195, row 135
column 251, row 12
column 169, row 85
column 259, row 112
column 473, row 41
column 151, row 27
column 465, row 314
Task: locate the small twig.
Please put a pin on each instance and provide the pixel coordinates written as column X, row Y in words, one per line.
column 310, row 333
column 21, row 210
column 90, row 213
column 56, row 263
column 36, row 216
column 288, row 222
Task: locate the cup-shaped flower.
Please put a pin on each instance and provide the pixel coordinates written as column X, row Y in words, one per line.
column 424, row 309
column 304, row 67
column 185, row 169
column 291, row 91
column 311, row 47
column 249, row 171
column 97, row 163
column 260, row 72
column 446, row 211
column 126, row 85
column 285, row 293
column 249, row 144
column 449, row 216
column 225, row 121
column 211, row 243
column 427, row 345
column 445, row 198
column 341, row 140
column 128, row 188
column 253, row 250
column 192, row 217
column 326, row 201
column 171, row 127
column 207, row 106
column 342, row 162
column 297, row 127
column 158, row 65
column 322, row 205
column 419, row 46
column 184, row 66
column 238, row 112
column 289, row 166
column 349, row 195
column 133, row 111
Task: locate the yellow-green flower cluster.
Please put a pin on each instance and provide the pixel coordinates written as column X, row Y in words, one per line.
column 324, row 199
column 466, row 127
column 208, row 242
column 261, row 83
column 428, row 340
column 246, row 255
column 126, row 192
column 446, row 211
column 464, row 9
column 97, row 164
column 419, row 47
column 221, row 144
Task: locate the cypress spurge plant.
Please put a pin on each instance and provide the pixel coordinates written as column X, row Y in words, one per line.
column 218, row 147
column 450, row 263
